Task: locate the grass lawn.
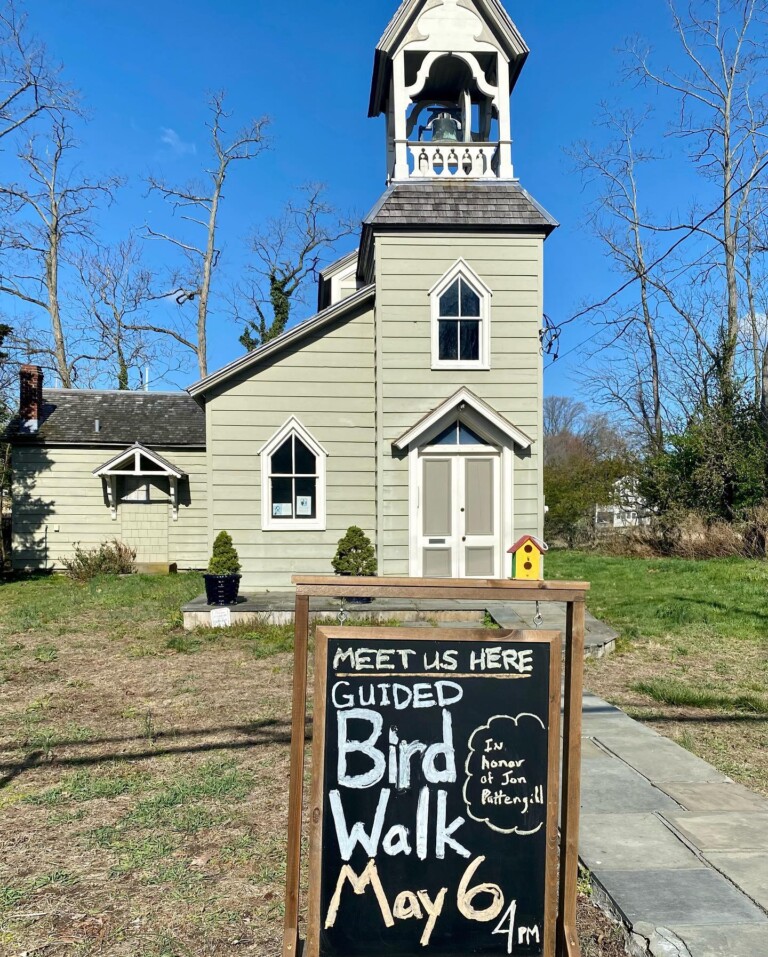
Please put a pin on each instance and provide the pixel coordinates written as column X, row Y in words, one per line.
column 144, row 776
column 693, row 655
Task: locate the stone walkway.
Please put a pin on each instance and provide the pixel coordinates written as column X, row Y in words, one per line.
column 677, row 849
column 599, row 638
column 277, row 607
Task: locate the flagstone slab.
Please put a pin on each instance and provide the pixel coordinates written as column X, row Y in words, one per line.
column 640, row 841
column 730, row 940
column 716, row 796
column 660, row 759
column 614, row 788
column 668, row 898
column 747, row 869
column 723, row 831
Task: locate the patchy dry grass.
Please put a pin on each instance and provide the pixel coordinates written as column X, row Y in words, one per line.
column 693, row 653
column 144, row 776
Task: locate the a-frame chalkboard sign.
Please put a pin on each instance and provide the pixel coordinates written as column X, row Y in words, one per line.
column 434, row 787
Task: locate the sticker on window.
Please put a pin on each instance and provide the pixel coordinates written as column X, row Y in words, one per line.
column 304, row 506
column 282, row 510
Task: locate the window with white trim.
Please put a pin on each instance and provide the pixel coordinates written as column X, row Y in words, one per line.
column 461, row 332
column 293, row 480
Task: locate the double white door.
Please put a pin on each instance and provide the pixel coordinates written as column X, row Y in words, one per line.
column 459, row 516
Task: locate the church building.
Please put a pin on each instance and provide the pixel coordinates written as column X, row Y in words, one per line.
column 410, row 405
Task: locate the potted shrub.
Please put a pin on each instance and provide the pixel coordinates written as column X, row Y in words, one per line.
column 222, row 582
column 355, row 556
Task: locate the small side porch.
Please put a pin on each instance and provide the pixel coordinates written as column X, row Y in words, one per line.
column 278, row 608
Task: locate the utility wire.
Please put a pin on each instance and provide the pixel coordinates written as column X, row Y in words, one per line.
column 690, row 231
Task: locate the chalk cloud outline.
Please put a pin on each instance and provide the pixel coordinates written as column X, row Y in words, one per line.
column 468, row 776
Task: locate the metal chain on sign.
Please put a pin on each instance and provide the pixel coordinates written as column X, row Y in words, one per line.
column 538, row 620
column 342, row 615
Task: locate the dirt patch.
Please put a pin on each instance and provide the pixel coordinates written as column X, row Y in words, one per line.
column 598, row 935
column 143, row 792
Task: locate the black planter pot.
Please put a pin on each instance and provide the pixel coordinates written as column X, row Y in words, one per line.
column 353, row 600
column 222, row 589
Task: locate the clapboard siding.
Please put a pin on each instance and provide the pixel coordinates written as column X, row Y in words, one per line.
column 327, row 382
column 407, row 267
column 59, row 503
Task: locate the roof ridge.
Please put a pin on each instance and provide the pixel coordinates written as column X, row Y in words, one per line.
column 134, row 392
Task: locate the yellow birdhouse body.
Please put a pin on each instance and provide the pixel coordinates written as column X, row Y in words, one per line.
column 527, row 558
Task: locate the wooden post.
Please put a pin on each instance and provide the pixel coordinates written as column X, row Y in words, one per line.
column 567, row 935
column 296, row 797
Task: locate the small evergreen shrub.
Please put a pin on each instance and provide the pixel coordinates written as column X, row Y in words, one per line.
column 224, row 559
column 109, row 558
column 355, row 554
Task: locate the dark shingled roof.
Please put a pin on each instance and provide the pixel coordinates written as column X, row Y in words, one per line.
column 455, row 205
column 462, row 204
column 155, row 419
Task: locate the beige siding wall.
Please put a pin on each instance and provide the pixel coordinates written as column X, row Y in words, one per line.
column 57, row 502
column 407, row 268
column 328, row 384
column 188, row 537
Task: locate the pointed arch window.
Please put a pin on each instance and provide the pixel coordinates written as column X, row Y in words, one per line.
column 461, row 319
column 293, row 481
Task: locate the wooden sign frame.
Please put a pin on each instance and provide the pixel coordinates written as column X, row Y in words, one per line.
column 573, row 594
column 415, row 635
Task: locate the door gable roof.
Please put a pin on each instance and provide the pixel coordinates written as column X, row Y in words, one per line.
column 463, row 398
column 131, row 457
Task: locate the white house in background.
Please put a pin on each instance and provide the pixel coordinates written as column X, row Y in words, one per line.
column 627, row 510
column 410, row 405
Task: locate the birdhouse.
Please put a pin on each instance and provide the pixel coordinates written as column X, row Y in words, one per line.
column 527, row 555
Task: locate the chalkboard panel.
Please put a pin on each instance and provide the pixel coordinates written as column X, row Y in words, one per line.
column 434, row 795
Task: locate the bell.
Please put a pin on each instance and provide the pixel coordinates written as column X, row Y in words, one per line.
column 445, row 129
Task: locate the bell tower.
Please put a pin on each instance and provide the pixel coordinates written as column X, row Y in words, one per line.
column 443, row 76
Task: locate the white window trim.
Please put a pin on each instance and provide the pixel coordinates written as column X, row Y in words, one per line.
column 270, row 524
column 461, row 269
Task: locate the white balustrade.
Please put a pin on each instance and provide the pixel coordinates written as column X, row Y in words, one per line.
column 452, row 160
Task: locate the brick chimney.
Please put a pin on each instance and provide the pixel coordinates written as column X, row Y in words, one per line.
column 31, row 397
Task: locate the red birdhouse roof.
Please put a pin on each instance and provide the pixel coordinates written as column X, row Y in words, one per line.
column 542, row 547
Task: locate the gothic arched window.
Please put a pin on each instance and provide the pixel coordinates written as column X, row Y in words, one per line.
column 293, row 480
column 461, row 318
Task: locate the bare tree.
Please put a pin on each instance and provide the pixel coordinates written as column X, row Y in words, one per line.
column 722, row 105
column 30, row 85
column 571, row 430
column 754, row 275
column 43, row 215
column 616, row 219
column 114, row 292
column 200, row 205
column 686, row 328
column 288, row 252
column 562, row 413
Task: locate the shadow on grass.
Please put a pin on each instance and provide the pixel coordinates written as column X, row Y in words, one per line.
column 248, row 728
column 258, row 734
column 697, row 718
column 719, row 606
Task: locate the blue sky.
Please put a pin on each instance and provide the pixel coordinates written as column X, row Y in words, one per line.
column 144, row 69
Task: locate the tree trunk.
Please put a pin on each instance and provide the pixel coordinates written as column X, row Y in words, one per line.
column 52, row 288
column 208, row 264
